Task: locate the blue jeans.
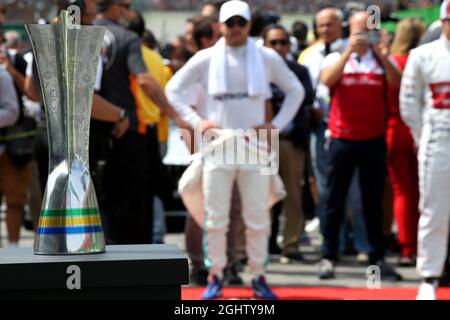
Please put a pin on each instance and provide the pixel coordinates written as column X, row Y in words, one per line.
column 319, row 161
column 159, row 221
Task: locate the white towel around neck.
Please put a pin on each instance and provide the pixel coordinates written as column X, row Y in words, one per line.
column 256, row 74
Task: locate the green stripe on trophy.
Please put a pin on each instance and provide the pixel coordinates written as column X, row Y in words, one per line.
column 70, row 212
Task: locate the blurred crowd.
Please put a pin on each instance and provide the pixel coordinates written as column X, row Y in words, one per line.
column 361, row 156
column 282, row 5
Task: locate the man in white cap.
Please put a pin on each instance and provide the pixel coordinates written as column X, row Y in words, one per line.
column 425, row 107
column 235, row 75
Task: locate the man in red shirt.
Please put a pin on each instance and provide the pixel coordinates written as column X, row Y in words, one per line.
column 357, row 79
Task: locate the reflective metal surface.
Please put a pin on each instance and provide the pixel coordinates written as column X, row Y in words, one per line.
column 67, row 58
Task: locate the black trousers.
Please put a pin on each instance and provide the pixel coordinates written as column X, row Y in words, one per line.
column 369, row 156
column 128, row 202
column 159, row 176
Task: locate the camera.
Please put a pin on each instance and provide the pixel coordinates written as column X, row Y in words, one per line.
column 374, row 37
column 371, row 38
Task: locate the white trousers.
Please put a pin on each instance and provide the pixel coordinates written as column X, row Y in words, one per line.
column 434, row 177
column 254, row 190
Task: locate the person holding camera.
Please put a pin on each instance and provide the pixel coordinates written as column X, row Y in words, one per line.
column 329, row 25
column 358, row 79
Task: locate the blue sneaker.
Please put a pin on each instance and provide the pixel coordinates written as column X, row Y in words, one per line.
column 262, row 290
column 214, row 289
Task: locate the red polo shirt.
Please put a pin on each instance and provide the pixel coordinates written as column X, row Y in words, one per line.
column 358, row 100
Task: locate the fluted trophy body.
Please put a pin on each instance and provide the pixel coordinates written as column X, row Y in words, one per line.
column 67, row 57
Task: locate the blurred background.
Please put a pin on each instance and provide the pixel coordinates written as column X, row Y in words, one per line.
column 166, row 18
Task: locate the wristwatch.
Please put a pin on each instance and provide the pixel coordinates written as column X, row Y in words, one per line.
column 123, row 115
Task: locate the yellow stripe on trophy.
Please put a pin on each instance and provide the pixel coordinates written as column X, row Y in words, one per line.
column 69, row 221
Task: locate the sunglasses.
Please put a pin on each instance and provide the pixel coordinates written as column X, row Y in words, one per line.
column 281, row 42
column 241, row 22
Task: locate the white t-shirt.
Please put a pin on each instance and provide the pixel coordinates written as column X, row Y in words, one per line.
column 9, row 105
column 313, row 59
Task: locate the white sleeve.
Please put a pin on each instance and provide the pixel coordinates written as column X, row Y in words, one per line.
column 330, row 60
column 313, row 69
column 412, row 98
column 179, row 89
column 98, row 78
column 294, row 92
column 9, row 105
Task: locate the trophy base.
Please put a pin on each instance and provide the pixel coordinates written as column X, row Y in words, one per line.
column 138, row 272
column 69, row 244
column 48, row 253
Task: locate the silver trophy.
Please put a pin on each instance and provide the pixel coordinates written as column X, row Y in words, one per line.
column 67, row 57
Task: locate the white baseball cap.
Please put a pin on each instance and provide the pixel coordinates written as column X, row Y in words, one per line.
column 235, row 8
column 445, row 10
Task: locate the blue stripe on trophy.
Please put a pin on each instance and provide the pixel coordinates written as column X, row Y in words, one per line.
column 69, row 230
